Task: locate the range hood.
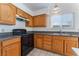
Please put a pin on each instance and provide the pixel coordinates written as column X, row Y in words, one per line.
column 19, row 17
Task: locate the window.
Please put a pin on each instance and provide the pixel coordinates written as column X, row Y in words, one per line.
column 64, row 20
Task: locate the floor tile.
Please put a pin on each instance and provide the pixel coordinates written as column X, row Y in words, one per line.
column 39, row 52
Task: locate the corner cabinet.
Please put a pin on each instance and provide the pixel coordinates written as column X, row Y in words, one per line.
column 7, row 14
column 30, row 22
column 40, row 20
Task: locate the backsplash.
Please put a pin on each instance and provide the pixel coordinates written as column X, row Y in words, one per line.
column 8, row 28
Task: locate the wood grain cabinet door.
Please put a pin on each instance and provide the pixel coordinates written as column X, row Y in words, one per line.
column 38, row 41
column 40, row 21
column 0, row 49
column 0, row 52
column 12, row 50
column 57, row 44
column 7, row 13
column 47, row 43
column 30, row 23
column 68, row 46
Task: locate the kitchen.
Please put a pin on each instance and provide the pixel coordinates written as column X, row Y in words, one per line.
column 39, row 29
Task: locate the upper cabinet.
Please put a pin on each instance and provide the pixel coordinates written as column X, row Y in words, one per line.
column 26, row 16
column 7, row 14
column 40, row 20
column 30, row 22
column 21, row 13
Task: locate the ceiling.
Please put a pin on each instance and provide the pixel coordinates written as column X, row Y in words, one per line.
column 37, row 6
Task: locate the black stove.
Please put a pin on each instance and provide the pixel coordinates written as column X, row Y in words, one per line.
column 27, row 42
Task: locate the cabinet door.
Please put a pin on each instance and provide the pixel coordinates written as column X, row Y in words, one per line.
column 30, row 23
column 38, row 41
column 57, row 44
column 40, row 20
column 7, row 13
column 47, row 43
column 0, row 49
column 0, row 52
column 68, row 46
column 12, row 50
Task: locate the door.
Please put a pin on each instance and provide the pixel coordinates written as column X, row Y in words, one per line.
column 57, row 44
column 7, row 13
column 38, row 41
column 40, row 20
column 69, row 44
column 12, row 50
column 0, row 49
column 47, row 45
column 30, row 23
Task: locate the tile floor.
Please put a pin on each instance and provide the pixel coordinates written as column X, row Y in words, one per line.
column 39, row 52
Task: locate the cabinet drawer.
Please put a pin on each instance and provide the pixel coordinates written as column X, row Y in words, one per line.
column 11, row 41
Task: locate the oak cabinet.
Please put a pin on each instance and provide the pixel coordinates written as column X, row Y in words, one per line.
column 22, row 13
column 40, row 21
column 12, row 50
column 7, row 14
column 30, row 22
column 0, row 49
column 0, row 52
column 69, row 44
column 38, row 41
column 47, row 42
column 57, row 44
column 11, row 47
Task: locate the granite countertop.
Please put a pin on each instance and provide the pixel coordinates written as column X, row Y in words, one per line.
column 6, row 36
column 75, row 34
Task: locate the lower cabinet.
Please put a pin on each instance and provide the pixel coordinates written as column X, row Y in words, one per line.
column 0, row 51
column 69, row 44
column 38, row 41
column 47, row 43
column 57, row 44
column 12, row 50
column 11, row 47
column 0, row 48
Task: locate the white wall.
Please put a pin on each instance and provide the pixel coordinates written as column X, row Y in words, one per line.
column 8, row 28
